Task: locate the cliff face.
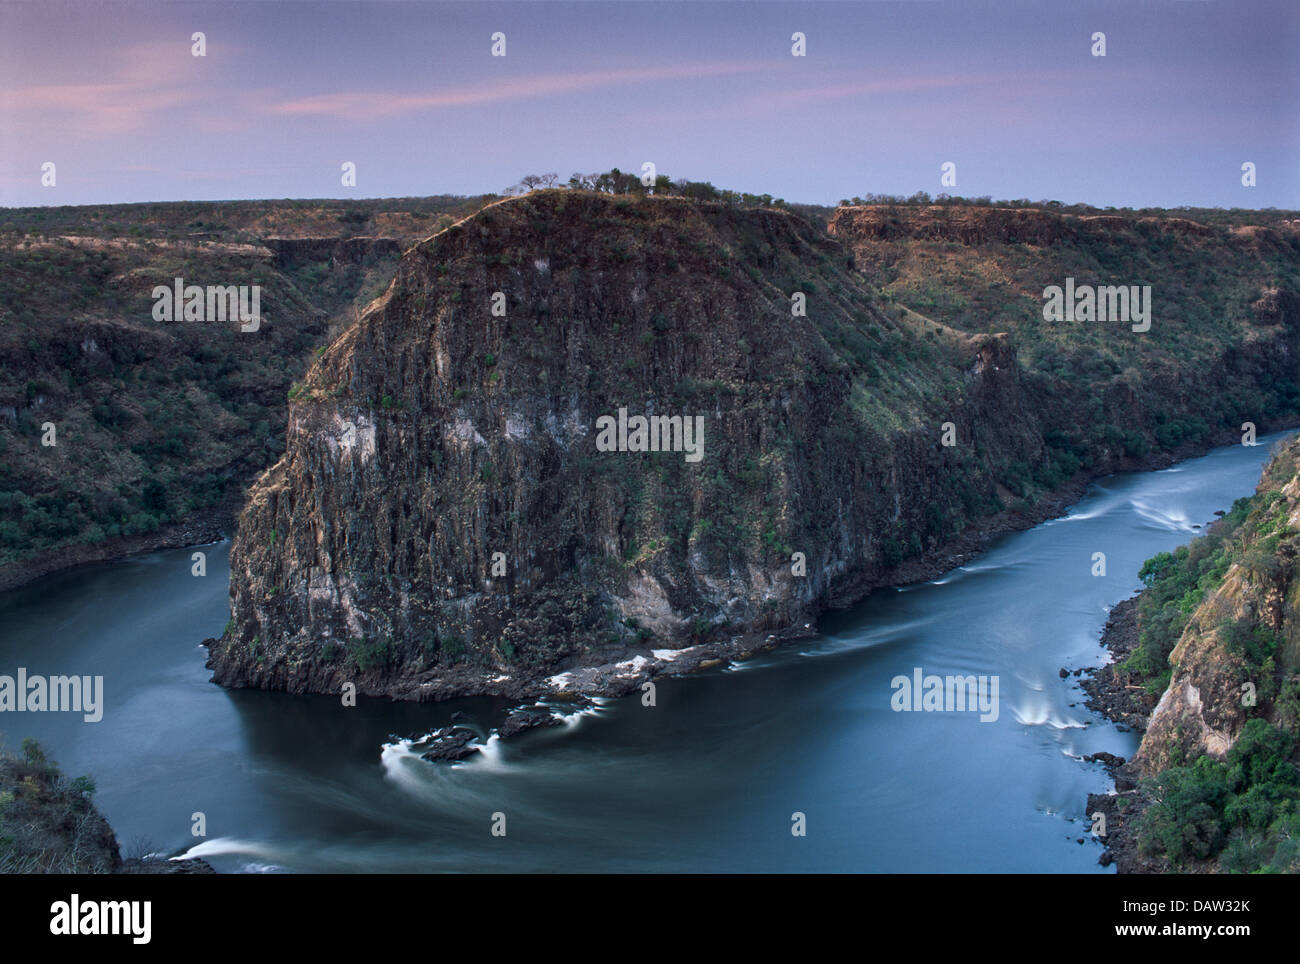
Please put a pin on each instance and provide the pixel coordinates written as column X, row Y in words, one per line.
column 449, row 519
column 1237, row 657
column 160, row 425
column 446, row 518
column 1223, row 346
column 1215, row 785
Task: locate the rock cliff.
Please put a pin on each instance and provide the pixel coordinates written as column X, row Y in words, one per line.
column 1215, row 785
column 1241, row 648
column 445, row 519
column 454, row 514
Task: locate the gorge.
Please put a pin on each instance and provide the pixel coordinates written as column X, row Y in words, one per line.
column 436, row 522
column 436, row 435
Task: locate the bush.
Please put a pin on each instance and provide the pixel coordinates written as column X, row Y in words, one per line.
column 1246, row 806
column 1242, row 637
column 370, row 654
column 47, row 823
column 1135, row 445
column 1186, row 822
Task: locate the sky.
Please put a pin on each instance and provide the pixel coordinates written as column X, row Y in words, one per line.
column 1008, row 92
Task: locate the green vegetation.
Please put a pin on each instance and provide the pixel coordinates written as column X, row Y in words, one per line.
column 1220, row 217
column 1252, row 533
column 1245, row 810
column 48, row 823
column 620, row 182
column 367, row 654
column 1176, row 583
column 245, row 222
column 1219, row 294
column 157, row 421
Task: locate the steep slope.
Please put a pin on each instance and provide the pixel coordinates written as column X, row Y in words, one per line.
column 1223, row 346
column 153, row 421
column 159, row 425
column 434, row 435
column 1238, row 657
column 1218, row 786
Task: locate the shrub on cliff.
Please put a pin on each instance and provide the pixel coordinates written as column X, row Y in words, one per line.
column 370, row 654
column 1187, row 821
column 1176, row 583
column 47, row 822
column 1248, row 806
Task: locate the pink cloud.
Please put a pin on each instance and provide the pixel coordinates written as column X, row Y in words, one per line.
column 147, row 80
column 360, row 105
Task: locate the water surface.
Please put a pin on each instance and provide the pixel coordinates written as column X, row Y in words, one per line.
column 707, row 780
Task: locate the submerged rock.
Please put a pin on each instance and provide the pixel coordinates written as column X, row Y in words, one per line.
column 450, row 744
column 517, row 721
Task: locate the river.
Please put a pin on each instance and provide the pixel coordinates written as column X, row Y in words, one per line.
column 706, row 780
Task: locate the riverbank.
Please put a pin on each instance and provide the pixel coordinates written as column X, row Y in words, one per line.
column 202, row 528
column 1110, row 693
column 50, row 824
column 1189, row 653
column 1113, row 697
column 627, row 670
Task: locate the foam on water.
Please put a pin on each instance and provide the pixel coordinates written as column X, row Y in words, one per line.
column 1101, row 504
column 221, row 846
column 1039, row 712
column 1172, row 520
column 401, row 764
column 488, row 756
column 573, row 717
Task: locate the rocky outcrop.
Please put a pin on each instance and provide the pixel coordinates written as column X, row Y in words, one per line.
column 448, row 518
column 1277, row 306
column 444, row 520
column 1220, row 679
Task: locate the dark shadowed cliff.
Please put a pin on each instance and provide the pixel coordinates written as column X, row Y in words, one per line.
column 434, row 434
column 445, row 520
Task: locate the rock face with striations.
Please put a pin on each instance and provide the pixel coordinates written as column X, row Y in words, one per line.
column 1205, row 706
column 447, row 518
